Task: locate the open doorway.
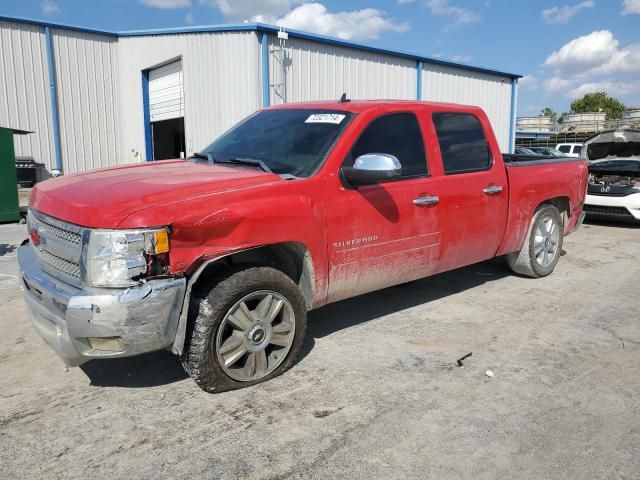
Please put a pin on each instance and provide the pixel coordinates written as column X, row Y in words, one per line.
column 168, row 138
column 166, row 111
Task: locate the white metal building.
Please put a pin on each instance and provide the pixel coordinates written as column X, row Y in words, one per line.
column 99, row 98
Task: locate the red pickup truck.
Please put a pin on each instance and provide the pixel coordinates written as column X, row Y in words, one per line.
column 219, row 257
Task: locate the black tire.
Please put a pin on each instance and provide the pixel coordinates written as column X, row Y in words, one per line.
column 524, row 262
column 208, row 309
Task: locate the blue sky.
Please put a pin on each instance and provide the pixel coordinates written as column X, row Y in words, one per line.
column 564, row 47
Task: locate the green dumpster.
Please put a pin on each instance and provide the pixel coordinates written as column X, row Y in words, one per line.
column 9, row 209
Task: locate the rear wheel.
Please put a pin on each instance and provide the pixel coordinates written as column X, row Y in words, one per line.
column 542, row 247
column 248, row 328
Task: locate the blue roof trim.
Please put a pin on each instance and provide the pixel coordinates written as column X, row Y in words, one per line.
column 244, row 27
column 263, row 27
column 62, row 26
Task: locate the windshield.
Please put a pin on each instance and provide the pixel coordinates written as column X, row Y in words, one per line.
column 292, row 141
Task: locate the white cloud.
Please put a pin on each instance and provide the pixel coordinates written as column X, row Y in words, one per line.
column 556, row 84
column 528, row 82
column 461, row 58
column 166, row 4
column 461, row 15
column 595, row 62
column 49, row 7
column 596, row 53
column 367, row 23
column 584, row 53
column 188, row 18
column 616, row 89
column 630, row 7
column 247, row 9
column 566, row 12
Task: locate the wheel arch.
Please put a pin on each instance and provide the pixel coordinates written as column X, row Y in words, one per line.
column 563, row 206
column 292, row 258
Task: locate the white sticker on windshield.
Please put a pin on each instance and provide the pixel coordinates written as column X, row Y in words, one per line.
column 325, row 118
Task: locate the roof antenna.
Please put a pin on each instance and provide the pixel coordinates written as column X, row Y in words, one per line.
column 343, row 98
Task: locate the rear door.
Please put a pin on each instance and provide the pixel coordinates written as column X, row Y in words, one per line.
column 377, row 235
column 473, row 189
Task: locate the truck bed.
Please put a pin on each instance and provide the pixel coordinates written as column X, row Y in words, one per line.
column 534, row 180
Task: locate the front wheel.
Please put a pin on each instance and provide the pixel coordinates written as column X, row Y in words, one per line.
column 542, row 247
column 248, row 328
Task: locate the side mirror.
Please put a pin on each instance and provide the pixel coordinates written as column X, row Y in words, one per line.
column 372, row 168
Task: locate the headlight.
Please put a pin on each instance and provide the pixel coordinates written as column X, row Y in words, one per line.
column 117, row 258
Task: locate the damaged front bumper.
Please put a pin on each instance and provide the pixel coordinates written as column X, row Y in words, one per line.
column 81, row 324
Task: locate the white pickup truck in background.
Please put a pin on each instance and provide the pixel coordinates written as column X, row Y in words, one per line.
column 570, row 149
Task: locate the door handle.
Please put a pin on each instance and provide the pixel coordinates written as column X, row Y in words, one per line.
column 426, row 200
column 492, row 189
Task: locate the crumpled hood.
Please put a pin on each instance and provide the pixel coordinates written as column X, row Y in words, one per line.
column 104, row 198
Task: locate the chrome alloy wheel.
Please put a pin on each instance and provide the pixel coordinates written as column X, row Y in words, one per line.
column 255, row 335
column 546, row 241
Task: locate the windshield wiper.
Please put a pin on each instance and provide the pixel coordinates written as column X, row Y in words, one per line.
column 203, row 156
column 251, row 162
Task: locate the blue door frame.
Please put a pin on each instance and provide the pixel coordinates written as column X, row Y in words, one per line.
column 146, row 114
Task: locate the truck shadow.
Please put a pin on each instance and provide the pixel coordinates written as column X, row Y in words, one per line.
column 355, row 311
column 147, row 370
column 161, row 368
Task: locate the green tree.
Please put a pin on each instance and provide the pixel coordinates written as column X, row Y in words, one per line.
column 598, row 102
column 549, row 112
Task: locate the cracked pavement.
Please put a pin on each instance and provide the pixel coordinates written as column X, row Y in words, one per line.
column 377, row 393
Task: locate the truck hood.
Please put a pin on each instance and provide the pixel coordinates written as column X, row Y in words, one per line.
column 104, row 198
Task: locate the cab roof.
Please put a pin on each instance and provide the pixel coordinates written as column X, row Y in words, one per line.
column 357, row 106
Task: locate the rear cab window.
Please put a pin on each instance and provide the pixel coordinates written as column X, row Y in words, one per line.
column 463, row 145
column 396, row 134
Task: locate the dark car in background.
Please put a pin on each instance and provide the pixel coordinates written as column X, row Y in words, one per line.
column 524, row 151
column 547, row 151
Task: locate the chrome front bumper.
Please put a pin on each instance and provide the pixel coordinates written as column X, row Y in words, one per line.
column 143, row 318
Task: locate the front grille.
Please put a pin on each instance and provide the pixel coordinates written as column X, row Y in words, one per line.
column 599, row 209
column 610, row 190
column 70, row 237
column 65, row 266
column 59, row 248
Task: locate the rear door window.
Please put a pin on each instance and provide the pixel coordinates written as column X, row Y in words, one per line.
column 565, row 148
column 463, row 145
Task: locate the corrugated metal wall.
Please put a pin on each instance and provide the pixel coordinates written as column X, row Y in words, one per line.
column 88, row 101
column 318, row 71
column 442, row 83
column 221, row 83
column 24, row 89
column 100, row 86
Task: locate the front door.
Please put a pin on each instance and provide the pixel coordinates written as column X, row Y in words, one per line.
column 377, row 235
